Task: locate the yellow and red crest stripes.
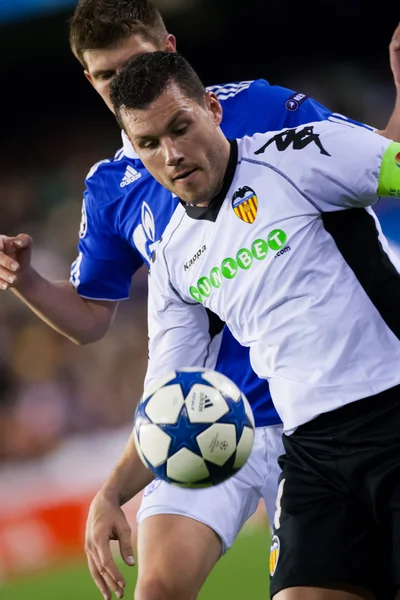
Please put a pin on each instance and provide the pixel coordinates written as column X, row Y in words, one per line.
column 274, row 555
column 245, row 204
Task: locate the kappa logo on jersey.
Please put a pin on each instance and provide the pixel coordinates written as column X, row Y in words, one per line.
column 274, row 554
column 297, row 139
column 244, row 260
column 245, row 204
column 130, row 176
column 83, row 225
column 294, row 101
column 397, row 159
column 190, row 262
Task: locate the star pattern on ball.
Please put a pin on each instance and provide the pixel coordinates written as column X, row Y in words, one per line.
column 237, row 416
column 183, row 433
column 188, row 379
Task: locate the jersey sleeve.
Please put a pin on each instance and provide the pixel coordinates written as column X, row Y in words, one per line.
column 179, row 332
column 343, row 166
column 106, row 262
column 276, row 107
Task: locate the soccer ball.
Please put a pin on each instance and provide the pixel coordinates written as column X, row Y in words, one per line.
column 194, row 427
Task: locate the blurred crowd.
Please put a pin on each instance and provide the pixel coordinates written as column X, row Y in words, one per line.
column 50, row 388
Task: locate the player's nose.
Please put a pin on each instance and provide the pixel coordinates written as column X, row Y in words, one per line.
column 173, row 156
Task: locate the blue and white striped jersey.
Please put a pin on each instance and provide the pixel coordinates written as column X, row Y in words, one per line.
column 125, row 212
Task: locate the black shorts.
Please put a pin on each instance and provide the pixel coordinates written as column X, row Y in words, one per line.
column 338, row 507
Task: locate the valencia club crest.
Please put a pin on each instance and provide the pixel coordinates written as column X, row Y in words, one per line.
column 245, row 204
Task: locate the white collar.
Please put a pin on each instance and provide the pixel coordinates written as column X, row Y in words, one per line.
column 127, row 146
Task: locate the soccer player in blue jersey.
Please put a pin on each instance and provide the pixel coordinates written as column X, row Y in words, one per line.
column 124, row 214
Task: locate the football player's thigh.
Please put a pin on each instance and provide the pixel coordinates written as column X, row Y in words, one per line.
column 323, row 539
column 175, row 556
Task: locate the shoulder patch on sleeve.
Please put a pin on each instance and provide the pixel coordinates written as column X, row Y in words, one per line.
column 295, row 101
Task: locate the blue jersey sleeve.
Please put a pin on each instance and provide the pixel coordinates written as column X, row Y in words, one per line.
column 272, row 107
column 106, row 262
column 282, row 107
column 251, row 107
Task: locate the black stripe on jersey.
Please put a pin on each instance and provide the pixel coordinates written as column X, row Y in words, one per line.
column 215, row 325
column 357, row 239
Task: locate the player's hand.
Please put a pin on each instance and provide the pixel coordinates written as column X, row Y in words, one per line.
column 15, row 259
column 394, row 53
column 106, row 521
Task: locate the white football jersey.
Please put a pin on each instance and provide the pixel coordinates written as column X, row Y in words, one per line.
column 292, row 258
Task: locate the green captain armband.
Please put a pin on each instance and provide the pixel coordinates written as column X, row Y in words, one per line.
column 389, row 175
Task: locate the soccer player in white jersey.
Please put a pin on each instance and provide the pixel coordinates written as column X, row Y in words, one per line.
column 85, row 317
column 310, row 285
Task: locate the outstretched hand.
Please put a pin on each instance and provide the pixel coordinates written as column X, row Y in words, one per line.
column 106, row 522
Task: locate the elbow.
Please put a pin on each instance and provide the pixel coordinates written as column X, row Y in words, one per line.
column 98, row 321
column 87, row 337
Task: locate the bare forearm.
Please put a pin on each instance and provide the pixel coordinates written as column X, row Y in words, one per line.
column 392, row 129
column 58, row 304
column 129, row 477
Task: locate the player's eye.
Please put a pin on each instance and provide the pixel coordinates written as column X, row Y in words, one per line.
column 149, row 144
column 181, row 130
column 105, row 76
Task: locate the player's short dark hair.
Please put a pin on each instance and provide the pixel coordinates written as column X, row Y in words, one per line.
column 99, row 24
column 144, row 78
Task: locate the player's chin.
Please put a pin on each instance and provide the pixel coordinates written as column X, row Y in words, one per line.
column 189, row 195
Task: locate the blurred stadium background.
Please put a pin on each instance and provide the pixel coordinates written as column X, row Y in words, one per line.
column 66, row 411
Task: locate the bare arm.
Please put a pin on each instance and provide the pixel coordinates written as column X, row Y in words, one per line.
column 55, row 302
column 392, row 129
column 106, row 521
column 59, row 305
column 129, row 476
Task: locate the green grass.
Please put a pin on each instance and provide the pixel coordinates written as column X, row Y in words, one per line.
column 241, row 573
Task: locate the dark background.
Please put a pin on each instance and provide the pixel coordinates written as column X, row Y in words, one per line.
column 225, row 41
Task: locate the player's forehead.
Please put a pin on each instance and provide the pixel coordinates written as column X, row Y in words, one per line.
column 116, row 56
column 171, row 106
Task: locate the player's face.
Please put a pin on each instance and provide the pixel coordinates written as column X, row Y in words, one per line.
column 104, row 63
column 179, row 141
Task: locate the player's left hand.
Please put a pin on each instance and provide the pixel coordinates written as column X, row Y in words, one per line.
column 106, row 521
column 394, row 53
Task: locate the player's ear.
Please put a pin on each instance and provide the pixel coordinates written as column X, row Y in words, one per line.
column 214, row 106
column 89, row 77
column 169, row 44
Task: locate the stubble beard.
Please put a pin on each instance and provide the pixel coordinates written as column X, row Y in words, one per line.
column 207, row 195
